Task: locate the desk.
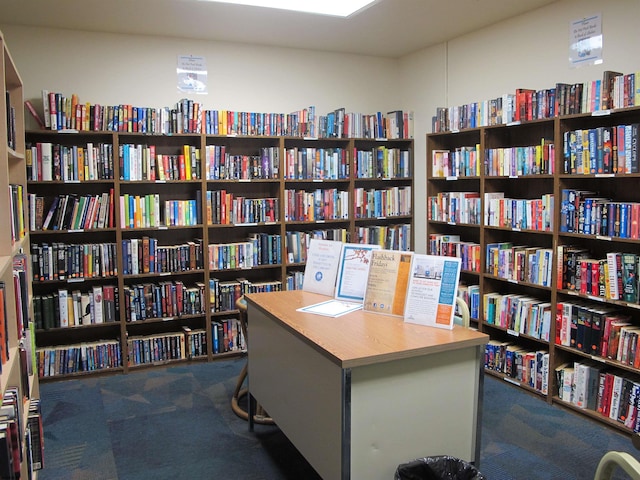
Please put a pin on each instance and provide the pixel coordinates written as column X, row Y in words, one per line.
column 359, row 394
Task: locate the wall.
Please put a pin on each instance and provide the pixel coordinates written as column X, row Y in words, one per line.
column 141, row 70
column 531, row 51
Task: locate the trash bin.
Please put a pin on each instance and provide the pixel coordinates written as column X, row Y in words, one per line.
column 441, row 467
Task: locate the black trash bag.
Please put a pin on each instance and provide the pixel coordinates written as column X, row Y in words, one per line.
column 441, row 467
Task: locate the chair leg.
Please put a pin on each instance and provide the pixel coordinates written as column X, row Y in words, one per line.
column 260, row 416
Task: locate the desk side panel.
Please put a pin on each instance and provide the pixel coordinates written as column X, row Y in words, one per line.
column 299, row 388
column 413, row 408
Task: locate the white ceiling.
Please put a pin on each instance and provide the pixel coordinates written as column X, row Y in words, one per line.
column 389, row 28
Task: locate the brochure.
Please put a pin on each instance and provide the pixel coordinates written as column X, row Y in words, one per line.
column 387, row 282
column 433, row 286
column 321, row 269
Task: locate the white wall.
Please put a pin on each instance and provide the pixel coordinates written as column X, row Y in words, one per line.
column 112, row 69
column 532, row 50
column 529, row 51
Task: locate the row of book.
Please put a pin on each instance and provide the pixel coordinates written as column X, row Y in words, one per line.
column 452, row 246
column 455, row 207
column 614, row 277
column 148, row 211
column 390, row 237
column 47, row 161
column 223, row 294
column 145, row 255
column 463, row 161
column 379, row 203
column 583, row 211
column 615, row 90
column 17, row 212
column 305, row 163
column 64, row 308
column 61, row 112
column 517, row 313
column 71, row 211
column 62, row 261
column 601, row 150
column 300, row 123
column 382, row 162
column 258, row 249
column 519, row 263
column 21, row 435
column 167, row 299
column 342, row 124
column 227, row 208
column 518, row 213
column 224, row 165
column 590, row 386
column 162, row 347
column 84, row 357
column 471, row 296
column 228, row 335
column 297, row 242
column 195, row 342
column 528, row 367
column 519, row 161
column 596, row 330
column 145, row 162
column 315, row 205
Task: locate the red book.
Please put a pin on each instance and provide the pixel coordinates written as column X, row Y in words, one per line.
column 34, row 113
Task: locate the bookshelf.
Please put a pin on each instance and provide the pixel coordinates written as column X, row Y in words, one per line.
column 20, row 426
column 537, row 221
column 241, row 209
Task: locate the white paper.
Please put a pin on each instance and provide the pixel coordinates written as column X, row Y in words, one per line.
column 331, row 308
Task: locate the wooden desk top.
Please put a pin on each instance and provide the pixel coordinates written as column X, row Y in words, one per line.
column 359, row 338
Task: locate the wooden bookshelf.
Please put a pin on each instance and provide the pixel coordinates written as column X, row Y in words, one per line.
column 522, row 234
column 17, row 369
column 238, row 228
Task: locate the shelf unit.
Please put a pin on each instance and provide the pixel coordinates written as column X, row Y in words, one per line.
column 543, row 333
column 242, row 231
column 17, row 372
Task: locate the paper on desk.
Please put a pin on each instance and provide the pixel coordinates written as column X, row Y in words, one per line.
column 331, row 308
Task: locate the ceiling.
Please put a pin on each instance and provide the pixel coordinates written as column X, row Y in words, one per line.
column 389, row 28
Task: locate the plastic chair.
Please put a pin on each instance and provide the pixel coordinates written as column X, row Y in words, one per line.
column 464, row 316
column 260, row 416
column 613, row 460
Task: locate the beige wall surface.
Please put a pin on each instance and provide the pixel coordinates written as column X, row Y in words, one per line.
column 528, row 51
column 112, row 69
column 531, row 50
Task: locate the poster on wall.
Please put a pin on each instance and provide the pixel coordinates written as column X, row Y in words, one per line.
column 585, row 41
column 192, row 74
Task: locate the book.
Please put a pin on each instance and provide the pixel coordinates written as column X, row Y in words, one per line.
column 321, row 269
column 387, row 282
column 36, row 116
column 432, row 291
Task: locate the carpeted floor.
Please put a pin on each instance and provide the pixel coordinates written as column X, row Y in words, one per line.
column 176, row 423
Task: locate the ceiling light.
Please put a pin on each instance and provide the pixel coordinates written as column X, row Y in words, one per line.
column 340, row 8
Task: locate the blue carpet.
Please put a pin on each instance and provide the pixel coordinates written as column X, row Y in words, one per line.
column 176, row 423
